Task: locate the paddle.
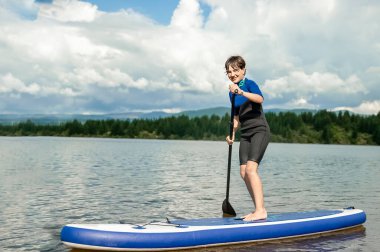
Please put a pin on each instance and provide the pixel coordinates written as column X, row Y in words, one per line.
column 228, row 210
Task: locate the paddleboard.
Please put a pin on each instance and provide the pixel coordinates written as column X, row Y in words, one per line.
column 194, row 233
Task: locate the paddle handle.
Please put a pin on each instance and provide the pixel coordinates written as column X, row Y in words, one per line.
column 230, row 146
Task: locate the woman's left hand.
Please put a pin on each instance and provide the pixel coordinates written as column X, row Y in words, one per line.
column 233, row 88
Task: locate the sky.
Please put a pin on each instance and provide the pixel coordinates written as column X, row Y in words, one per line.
column 115, row 56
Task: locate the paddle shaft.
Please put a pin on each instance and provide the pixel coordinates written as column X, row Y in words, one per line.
column 230, row 146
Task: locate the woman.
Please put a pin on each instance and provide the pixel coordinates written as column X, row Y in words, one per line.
column 254, row 129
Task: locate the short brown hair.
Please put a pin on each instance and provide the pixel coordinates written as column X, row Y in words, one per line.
column 235, row 61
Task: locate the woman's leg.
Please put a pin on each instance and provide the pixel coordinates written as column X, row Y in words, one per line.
column 245, row 145
column 253, row 149
column 255, row 188
column 243, row 175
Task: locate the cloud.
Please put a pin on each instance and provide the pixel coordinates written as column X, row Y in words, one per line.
column 11, row 10
column 374, row 69
column 367, row 107
column 68, row 11
column 187, row 15
column 10, row 84
column 81, row 59
column 301, row 84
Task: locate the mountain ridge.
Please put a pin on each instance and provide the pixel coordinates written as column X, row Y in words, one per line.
column 61, row 118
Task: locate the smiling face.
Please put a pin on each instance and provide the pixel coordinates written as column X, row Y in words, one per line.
column 235, row 74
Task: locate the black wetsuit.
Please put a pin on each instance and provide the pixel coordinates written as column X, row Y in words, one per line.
column 255, row 131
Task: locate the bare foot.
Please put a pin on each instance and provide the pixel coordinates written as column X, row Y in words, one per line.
column 257, row 215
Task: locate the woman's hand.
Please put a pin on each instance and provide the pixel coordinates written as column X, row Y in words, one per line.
column 234, row 89
column 229, row 140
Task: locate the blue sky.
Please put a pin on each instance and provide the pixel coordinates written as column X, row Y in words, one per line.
column 71, row 56
column 159, row 10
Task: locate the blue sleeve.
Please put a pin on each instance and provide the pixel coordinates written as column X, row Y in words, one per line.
column 254, row 88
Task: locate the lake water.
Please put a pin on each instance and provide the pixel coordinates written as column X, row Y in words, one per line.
column 47, row 182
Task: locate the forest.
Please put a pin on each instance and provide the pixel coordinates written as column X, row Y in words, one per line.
column 320, row 127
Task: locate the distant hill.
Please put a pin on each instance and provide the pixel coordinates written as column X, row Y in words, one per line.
column 219, row 111
column 60, row 118
column 295, row 111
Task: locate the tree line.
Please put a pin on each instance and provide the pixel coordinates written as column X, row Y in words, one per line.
column 307, row 127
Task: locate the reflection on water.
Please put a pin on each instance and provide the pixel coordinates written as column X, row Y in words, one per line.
column 49, row 182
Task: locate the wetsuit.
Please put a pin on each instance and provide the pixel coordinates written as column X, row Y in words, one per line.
column 254, row 129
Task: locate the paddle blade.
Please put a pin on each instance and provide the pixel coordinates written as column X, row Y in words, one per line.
column 228, row 210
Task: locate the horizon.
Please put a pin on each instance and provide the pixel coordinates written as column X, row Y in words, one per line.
column 102, row 57
column 177, row 112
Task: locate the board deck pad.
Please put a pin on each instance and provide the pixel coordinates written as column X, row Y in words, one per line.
column 271, row 218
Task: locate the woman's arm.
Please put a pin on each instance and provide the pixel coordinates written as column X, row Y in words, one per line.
column 235, row 128
column 250, row 96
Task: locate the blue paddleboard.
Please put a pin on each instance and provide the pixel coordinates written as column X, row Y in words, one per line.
column 193, row 233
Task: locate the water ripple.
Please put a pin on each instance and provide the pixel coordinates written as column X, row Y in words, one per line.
column 47, row 182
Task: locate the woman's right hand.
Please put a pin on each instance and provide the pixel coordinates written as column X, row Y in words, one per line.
column 229, row 140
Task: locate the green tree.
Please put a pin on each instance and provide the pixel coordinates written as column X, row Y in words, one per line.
column 74, row 128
